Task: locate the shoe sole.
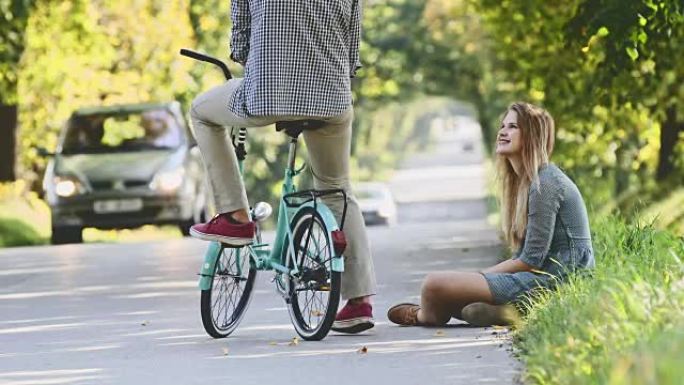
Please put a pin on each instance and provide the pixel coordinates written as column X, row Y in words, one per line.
column 233, row 241
column 354, row 325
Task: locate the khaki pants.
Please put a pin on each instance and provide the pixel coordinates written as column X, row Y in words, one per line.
column 329, row 149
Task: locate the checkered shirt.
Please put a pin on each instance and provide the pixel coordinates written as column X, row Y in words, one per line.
column 299, row 56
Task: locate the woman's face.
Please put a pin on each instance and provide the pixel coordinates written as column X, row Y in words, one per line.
column 508, row 142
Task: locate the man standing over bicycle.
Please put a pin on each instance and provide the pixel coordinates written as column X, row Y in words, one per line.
column 299, row 57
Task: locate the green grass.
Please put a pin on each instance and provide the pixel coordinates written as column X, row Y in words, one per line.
column 668, row 213
column 24, row 217
column 14, row 232
column 620, row 326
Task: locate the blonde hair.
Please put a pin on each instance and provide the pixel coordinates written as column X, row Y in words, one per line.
column 537, row 139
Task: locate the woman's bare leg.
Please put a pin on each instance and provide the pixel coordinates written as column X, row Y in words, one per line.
column 444, row 295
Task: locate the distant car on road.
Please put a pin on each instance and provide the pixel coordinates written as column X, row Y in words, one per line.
column 376, row 202
column 124, row 166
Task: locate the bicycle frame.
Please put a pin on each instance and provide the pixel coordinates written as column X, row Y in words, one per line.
column 263, row 258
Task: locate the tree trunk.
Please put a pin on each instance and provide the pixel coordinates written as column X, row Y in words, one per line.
column 8, row 142
column 669, row 133
column 622, row 170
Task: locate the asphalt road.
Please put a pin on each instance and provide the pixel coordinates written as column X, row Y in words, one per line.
column 129, row 313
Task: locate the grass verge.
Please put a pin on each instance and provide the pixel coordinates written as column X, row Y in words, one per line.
column 24, row 217
column 623, row 325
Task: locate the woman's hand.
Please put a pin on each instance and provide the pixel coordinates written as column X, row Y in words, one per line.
column 509, row 266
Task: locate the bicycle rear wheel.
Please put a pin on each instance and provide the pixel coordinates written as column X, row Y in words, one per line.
column 224, row 304
column 314, row 294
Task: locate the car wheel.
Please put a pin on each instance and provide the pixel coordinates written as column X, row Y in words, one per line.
column 200, row 217
column 184, row 227
column 66, row 234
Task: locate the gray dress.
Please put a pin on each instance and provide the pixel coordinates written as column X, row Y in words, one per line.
column 557, row 239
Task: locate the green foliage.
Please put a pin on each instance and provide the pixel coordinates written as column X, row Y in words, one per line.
column 116, row 130
column 598, row 329
column 13, row 18
column 606, row 69
column 668, row 213
column 390, row 52
column 652, row 362
column 14, row 232
column 210, row 23
column 24, row 218
column 385, row 137
column 106, row 53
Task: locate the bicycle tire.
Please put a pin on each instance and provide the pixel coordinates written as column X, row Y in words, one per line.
column 320, row 262
column 213, row 298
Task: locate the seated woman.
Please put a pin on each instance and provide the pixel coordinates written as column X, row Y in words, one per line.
column 543, row 218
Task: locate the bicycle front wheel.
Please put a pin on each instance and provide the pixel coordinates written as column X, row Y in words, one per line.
column 224, row 304
column 314, row 293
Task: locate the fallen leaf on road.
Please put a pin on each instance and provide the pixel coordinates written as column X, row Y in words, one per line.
column 145, row 323
column 225, row 351
column 294, row 342
column 317, row 313
column 273, row 343
column 439, row 333
column 363, row 350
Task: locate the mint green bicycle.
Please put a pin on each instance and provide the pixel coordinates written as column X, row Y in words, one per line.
column 306, row 255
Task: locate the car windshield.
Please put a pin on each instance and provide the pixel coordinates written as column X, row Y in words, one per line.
column 155, row 129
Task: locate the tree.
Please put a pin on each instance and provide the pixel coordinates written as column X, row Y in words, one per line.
column 81, row 53
column 13, row 18
column 642, row 41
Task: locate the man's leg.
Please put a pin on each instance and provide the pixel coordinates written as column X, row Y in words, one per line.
column 329, row 151
column 211, row 119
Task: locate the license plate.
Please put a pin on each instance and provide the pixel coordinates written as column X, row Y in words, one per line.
column 117, row 206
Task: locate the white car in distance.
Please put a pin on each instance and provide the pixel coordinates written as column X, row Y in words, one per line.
column 376, row 203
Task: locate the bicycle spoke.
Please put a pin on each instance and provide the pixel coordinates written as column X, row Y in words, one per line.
column 228, row 289
column 219, row 304
column 307, row 308
column 229, row 304
column 315, row 288
column 225, row 302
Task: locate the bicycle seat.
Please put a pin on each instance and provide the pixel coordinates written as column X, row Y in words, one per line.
column 295, row 127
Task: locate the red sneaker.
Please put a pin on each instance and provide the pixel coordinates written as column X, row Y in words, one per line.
column 222, row 229
column 354, row 318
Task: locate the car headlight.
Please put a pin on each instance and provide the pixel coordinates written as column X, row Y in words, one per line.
column 168, row 181
column 67, row 186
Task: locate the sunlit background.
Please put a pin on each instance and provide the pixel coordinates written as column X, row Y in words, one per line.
column 609, row 71
column 609, row 74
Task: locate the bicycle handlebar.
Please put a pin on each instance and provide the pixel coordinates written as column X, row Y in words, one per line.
column 208, row 59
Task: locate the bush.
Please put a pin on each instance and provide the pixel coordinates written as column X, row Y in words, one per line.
column 14, row 232
column 626, row 317
column 24, row 217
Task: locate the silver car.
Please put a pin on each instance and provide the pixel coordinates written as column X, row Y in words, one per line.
column 376, row 202
column 122, row 167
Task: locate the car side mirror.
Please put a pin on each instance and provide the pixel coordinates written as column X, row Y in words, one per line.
column 43, row 152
